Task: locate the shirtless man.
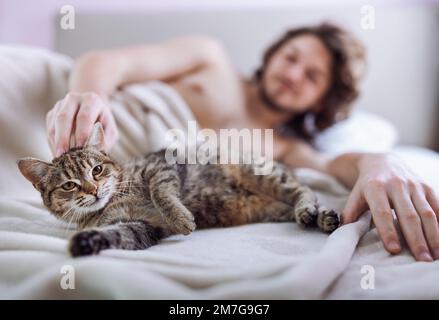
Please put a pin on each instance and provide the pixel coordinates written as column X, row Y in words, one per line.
column 301, row 74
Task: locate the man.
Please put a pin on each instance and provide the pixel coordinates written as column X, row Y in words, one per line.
column 308, row 74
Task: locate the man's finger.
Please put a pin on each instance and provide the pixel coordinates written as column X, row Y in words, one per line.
column 355, row 206
column 51, row 133
column 50, row 126
column 110, row 128
column 85, row 119
column 64, row 125
column 433, row 200
column 383, row 218
column 429, row 222
column 410, row 224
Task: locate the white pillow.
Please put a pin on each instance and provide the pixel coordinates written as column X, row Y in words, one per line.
column 361, row 132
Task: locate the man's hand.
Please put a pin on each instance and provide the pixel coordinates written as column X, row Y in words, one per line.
column 75, row 116
column 385, row 183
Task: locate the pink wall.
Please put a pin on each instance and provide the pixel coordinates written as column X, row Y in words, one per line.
column 32, row 22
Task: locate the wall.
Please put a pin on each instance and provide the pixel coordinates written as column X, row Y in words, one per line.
column 31, row 22
column 401, row 84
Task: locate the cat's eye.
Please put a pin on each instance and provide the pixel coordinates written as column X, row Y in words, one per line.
column 97, row 170
column 69, row 186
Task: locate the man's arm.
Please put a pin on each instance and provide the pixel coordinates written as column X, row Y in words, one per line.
column 98, row 74
column 300, row 154
column 381, row 182
column 104, row 71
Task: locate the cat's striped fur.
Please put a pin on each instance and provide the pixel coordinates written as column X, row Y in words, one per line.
column 135, row 205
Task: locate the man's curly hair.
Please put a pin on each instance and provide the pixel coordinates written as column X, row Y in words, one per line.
column 348, row 61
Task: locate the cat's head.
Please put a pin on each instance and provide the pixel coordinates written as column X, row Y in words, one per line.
column 78, row 182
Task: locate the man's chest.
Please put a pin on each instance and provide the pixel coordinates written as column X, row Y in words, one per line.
column 218, row 102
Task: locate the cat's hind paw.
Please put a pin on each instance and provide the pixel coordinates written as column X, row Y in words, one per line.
column 328, row 220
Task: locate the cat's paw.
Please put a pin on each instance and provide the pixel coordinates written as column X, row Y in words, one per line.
column 183, row 225
column 306, row 215
column 87, row 242
column 328, row 220
column 182, row 222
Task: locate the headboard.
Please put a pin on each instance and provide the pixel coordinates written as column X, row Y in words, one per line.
column 403, row 70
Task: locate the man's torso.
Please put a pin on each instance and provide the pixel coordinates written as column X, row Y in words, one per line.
column 217, row 97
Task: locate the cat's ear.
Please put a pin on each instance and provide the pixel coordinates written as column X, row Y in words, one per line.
column 33, row 169
column 96, row 138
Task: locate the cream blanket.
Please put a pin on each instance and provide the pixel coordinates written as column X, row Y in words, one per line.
column 260, row 261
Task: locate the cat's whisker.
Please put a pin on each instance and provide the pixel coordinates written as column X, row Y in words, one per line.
column 76, row 220
column 120, row 188
column 124, row 181
column 120, row 193
column 70, row 221
column 64, row 215
column 85, row 204
column 116, row 190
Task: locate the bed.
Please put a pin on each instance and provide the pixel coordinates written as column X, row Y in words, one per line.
column 259, row 261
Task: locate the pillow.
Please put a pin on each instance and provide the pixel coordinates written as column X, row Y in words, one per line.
column 362, row 131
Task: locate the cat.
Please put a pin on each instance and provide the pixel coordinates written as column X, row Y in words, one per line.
column 135, row 205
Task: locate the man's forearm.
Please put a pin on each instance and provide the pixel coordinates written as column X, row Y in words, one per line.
column 95, row 72
column 345, row 167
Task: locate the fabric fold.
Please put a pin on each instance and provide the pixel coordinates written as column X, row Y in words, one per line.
column 260, row 261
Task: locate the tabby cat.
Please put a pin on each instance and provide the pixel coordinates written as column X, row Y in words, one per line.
column 133, row 206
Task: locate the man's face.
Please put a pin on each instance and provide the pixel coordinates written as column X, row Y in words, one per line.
column 297, row 75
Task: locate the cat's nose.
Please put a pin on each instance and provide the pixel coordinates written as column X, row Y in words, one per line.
column 89, row 188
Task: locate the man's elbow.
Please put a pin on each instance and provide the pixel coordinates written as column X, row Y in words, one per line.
column 90, row 57
column 211, row 49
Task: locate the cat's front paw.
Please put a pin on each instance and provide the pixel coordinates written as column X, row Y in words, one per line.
column 328, row 220
column 183, row 225
column 182, row 222
column 87, row 242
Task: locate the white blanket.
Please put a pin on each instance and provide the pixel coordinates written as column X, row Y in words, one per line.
column 259, row 261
